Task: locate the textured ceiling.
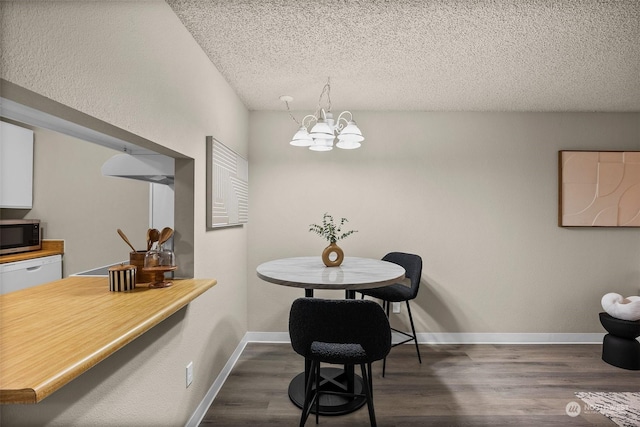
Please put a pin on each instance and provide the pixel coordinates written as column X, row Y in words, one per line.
column 446, row 55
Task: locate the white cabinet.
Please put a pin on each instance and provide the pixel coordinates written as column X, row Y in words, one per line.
column 18, row 275
column 16, row 167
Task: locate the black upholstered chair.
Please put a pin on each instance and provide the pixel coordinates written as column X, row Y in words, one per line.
column 344, row 332
column 399, row 292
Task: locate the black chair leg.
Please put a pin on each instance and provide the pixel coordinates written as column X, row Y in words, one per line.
column 370, row 379
column 317, row 391
column 413, row 328
column 306, row 407
column 368, row 393
column 386, row 306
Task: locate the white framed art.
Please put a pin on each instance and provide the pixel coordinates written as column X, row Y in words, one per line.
column 227, row 186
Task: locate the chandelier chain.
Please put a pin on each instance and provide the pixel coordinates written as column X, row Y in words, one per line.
column 289, row 111
column 326, row 89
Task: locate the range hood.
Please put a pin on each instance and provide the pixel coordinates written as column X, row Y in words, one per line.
column 156, row 168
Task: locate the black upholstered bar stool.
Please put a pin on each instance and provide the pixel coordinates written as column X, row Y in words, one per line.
column 343, row 332
column 398, row 292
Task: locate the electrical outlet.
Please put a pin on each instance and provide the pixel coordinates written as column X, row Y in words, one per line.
column 395, row 306
column 189, row 373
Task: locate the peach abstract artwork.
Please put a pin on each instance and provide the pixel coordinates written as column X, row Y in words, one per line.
column 600, row 188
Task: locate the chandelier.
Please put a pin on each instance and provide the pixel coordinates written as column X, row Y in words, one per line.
column 325, row 129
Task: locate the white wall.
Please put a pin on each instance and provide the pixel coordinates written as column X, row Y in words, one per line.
column 132, row 64
column 475, row 194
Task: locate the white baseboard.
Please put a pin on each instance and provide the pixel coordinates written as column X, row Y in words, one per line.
column 201, row 410
column 423, row 338
column 509, row 338
column 463, row 338
column 268, row 337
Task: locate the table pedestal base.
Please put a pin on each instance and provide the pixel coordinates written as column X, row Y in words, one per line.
column 333, row 379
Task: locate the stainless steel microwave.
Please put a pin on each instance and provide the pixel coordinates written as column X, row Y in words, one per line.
column 20, row 235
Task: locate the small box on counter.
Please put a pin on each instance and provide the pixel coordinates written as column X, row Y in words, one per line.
column 122, row 278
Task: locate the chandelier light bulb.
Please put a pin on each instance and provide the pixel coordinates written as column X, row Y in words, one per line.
column 348, row 145
column 321, row 130
column 322, row 145
column 351, row 132
column 302, row 138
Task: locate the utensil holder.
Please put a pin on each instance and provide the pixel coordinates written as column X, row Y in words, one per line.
column 137, row 258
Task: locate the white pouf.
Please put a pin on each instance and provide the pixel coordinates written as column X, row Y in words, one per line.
column 621, row 308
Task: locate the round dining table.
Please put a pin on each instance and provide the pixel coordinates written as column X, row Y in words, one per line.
column 352, row 275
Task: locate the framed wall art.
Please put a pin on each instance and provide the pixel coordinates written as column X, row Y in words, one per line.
column 599, row 188
column 227, row 186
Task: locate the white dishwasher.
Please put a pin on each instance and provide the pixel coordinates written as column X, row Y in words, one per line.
column 18, row 275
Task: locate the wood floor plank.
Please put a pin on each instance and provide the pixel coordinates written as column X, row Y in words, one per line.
column 456, row 385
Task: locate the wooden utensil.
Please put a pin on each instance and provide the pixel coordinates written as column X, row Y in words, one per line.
column 165, row 235
column 148, row 239
column 154, row 235
column 126, row 240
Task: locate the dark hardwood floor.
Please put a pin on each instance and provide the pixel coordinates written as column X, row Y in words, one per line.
column 456, row 385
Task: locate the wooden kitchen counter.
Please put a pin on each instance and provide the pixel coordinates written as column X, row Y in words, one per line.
column 52, row 333
column 49, row 247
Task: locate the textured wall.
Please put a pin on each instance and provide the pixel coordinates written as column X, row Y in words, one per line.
column 475, row 194
column 133, row 65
